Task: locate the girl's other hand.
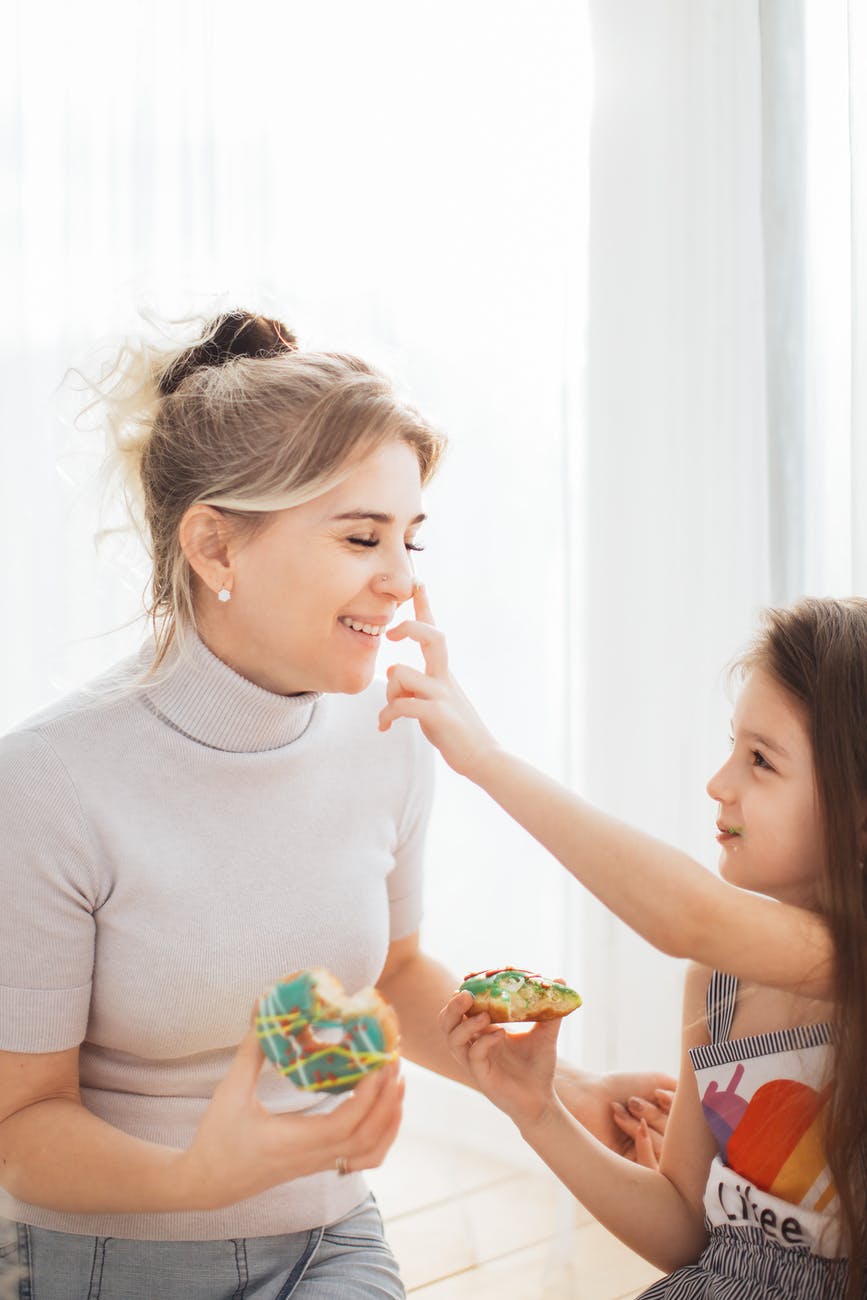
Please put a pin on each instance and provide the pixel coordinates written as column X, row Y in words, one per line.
column 514, row 1070
column 241, row 1148
column 433, row 697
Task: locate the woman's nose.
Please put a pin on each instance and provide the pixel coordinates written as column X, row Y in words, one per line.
column 399, row 581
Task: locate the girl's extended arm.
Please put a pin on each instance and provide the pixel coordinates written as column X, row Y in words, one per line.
column 656, row 1213
column 663, row 894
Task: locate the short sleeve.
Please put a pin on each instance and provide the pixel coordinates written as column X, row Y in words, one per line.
column 405, row 882
column 47, row 883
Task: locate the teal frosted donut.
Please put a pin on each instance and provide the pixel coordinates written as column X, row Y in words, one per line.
column 321, row 1040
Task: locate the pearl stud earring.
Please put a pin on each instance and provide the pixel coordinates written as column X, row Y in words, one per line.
column 224, row 594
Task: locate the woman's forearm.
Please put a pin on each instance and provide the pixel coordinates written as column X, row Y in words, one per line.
column 640, row 1206
column 663, row 894
column 418, row 991
column 59, row 1156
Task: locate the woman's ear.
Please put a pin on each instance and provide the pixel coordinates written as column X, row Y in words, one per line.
column 205, row 538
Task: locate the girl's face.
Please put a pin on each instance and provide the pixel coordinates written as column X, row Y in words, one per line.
column 313, row 572
column 768, row 817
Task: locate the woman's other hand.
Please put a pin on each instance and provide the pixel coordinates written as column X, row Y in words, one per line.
column 241, row 1148
column 514, row 1070
column 612, row 1106
column 433, row 697
column 643, row 1122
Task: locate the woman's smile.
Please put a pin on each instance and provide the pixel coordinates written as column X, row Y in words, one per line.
column 367, row 627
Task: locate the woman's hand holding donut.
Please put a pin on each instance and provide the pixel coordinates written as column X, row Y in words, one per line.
column 433, row 697
column 514, row 1070
column 241, row 1148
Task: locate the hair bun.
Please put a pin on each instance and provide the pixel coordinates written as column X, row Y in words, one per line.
column 234, row 334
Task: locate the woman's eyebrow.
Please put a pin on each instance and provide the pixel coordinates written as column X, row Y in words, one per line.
column 376, row 515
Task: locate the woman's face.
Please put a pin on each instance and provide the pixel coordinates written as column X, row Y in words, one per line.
column 313, row 591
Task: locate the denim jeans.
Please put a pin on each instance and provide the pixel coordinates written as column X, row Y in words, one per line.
column 349, row 1260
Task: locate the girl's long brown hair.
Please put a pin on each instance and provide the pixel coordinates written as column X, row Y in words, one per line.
column 817, row 651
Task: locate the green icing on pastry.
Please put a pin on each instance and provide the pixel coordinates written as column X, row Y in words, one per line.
column 520, row 994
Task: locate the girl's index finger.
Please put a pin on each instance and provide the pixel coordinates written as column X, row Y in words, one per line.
column 421, row 604
column 431, row 641
column 425, row 633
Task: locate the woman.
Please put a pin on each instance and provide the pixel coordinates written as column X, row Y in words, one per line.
column 216, row 813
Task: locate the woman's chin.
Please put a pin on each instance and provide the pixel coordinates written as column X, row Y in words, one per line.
column 350, row 681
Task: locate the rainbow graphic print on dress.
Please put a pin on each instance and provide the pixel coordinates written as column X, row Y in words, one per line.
column 764, row 1099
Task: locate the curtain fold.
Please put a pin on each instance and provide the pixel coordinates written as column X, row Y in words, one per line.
column 784, row 236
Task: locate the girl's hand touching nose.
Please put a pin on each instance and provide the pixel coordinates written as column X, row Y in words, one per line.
column 433, row 697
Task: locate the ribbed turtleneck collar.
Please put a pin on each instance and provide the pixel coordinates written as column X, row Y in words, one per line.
column 208, row 701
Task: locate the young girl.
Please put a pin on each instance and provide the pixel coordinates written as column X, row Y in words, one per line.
column 760, row 1191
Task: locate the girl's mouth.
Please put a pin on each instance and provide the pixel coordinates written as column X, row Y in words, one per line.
column 728, row 833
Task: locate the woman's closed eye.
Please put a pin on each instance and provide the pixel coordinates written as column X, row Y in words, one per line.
column 374, row 541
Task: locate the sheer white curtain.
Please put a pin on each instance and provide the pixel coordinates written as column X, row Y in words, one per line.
column 725, row 442
column 581, row 301
column 405, row 181
column 675, row 482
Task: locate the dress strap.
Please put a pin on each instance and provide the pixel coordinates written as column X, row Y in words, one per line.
column 722, row 994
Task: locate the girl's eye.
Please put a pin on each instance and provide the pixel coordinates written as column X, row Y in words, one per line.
column 759, row 760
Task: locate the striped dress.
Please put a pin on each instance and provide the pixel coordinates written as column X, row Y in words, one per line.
column 769, row 1201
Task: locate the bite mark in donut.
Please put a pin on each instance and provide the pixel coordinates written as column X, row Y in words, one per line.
column 320, row 1039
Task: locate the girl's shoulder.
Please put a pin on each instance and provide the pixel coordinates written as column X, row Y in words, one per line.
column 741, row 1009
column 762, row 1010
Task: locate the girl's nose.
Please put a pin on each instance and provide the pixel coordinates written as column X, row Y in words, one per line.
column 719, row 787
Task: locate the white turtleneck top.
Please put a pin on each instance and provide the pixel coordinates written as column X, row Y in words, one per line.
column 166, row 853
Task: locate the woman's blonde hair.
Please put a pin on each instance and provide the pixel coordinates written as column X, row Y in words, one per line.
column 243, row 420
